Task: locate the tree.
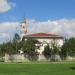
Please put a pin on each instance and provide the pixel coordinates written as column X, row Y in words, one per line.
column 68, row 48
column 16, row 37
column 47, row 52
column 55, row 50
column 16, row 42
column 2, row 50
column 10, row 47
column 29, row 48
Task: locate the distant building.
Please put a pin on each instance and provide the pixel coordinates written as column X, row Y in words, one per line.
column 43, row 38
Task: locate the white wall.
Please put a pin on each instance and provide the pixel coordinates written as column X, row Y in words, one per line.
column 44, row 42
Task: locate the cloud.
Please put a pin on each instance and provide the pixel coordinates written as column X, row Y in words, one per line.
column 62, row 27
column 8, row 29
column 4, row 35
column 7, row 26
column 5, row 5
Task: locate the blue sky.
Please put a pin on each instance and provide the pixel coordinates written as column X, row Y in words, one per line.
column 40, row 10
column 51, row 16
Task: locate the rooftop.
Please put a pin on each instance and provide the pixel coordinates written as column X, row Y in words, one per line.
column 43, row 35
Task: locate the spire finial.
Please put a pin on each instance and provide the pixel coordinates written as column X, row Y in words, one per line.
column 24, row 20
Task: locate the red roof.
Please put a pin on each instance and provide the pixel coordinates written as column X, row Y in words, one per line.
column 43, row 35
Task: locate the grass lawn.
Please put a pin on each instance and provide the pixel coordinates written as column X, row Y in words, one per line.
column 37, row 68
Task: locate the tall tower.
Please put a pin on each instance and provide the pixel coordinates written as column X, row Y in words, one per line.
column 23, row 28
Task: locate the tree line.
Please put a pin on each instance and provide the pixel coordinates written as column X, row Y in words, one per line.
column 29, row 48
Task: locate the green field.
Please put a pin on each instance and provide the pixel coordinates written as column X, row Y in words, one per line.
column 37, row 68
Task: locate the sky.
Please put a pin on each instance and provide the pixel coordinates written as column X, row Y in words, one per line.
column 48, row 16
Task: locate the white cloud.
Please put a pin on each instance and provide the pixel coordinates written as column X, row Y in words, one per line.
column 5, row 5
column 4, row 35
column 7, row 30
column 62, row 27
column 4, row 26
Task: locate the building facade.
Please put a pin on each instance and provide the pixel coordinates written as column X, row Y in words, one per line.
column 44, row 40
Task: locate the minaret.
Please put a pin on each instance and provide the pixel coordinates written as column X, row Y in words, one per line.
column 23, row 28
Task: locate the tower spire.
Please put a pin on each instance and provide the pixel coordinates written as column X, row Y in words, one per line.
column 23, row 27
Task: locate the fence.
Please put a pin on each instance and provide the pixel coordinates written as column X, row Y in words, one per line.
column 27, row 58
